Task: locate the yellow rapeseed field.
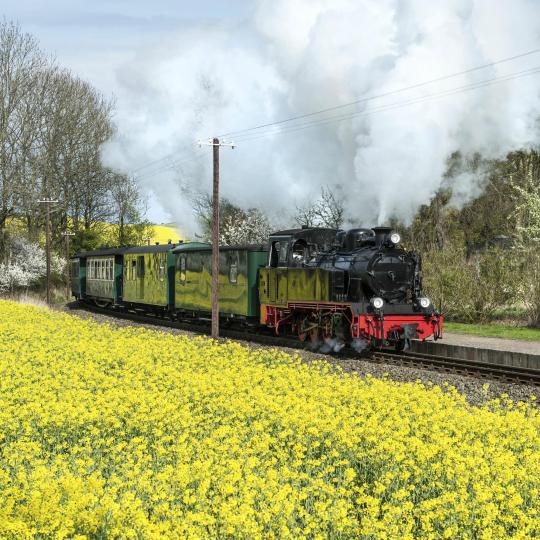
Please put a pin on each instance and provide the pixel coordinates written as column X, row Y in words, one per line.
column 132, row 433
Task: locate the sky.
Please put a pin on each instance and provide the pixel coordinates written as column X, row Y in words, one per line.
column 184, row 71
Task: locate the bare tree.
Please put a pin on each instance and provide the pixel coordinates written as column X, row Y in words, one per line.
column 21, row 63
column 129, row 209
column 328, row 210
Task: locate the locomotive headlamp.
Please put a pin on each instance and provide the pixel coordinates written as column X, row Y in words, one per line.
column 424, row 302
column 377, row 302
column 395, row 238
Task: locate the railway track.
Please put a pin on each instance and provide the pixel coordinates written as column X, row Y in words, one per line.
column 265, row 337
column 461, row 366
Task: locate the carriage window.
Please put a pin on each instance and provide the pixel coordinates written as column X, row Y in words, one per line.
column 233, row 273
column 140, row 266
column 182, row 269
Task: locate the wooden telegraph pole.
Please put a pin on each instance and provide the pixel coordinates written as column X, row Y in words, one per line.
column 66, row 235
column 47, row 203
column 215, row 143
column 215, row 241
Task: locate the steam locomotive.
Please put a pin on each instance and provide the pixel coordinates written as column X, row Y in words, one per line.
column 329, row 287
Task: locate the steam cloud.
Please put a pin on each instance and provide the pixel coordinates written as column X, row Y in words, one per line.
column 292, row 57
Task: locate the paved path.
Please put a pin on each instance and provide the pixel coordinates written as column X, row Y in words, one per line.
column 498, row 344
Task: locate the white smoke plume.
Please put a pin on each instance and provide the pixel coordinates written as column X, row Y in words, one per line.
column 292, row 57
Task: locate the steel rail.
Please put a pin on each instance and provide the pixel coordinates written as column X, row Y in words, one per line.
column 462, row 366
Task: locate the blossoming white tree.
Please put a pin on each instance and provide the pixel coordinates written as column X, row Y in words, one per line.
column 25, row 265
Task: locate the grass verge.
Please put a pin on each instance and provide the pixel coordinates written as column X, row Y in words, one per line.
column 494, row 330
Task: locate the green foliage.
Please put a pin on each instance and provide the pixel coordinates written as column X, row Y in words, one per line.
column 494, row 330
column 88, row 239
column 470, row 289
column 529, row 284
column 483, row 257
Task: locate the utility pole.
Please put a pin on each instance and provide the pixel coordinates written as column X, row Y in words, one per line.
column 215, row 233
column 47, row 203
column 66, row 235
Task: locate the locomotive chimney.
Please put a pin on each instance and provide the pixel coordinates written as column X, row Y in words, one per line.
column 381, row 233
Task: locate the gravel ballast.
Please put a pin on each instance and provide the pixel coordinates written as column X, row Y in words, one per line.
column 476, row 390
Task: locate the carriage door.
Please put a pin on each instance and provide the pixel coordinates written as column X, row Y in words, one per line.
column 140, row 277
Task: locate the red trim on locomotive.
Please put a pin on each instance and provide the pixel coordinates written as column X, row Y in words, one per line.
column 372, row 327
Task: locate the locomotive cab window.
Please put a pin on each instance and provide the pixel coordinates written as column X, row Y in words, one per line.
column 279, row 253
column 299, row 252
column 283, row 253
column 274, row 254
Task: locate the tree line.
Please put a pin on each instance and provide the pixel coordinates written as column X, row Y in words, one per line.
column 52, row 128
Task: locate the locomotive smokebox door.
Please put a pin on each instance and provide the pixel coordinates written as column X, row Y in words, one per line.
column 410, row 331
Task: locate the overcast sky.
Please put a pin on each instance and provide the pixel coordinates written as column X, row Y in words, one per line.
column 181, row 71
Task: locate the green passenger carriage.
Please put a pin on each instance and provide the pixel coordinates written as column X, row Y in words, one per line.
column 238, row 274
column 97, row 276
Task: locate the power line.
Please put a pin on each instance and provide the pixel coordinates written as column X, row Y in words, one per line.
column 167, row 157
column 167, row 166
column 391, row 106
column 385, row 94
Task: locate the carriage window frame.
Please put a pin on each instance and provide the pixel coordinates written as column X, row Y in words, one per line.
column 233, row 273
column 183, row 266
column 140, row 267
column 161, row 269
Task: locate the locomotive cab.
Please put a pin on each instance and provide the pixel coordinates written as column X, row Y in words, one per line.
column 297, row 247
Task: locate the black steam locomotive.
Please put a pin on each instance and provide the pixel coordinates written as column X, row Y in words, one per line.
column 338, row 286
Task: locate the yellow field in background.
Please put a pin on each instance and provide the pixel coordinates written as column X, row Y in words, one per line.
column 131, row 433
column 164, row 233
